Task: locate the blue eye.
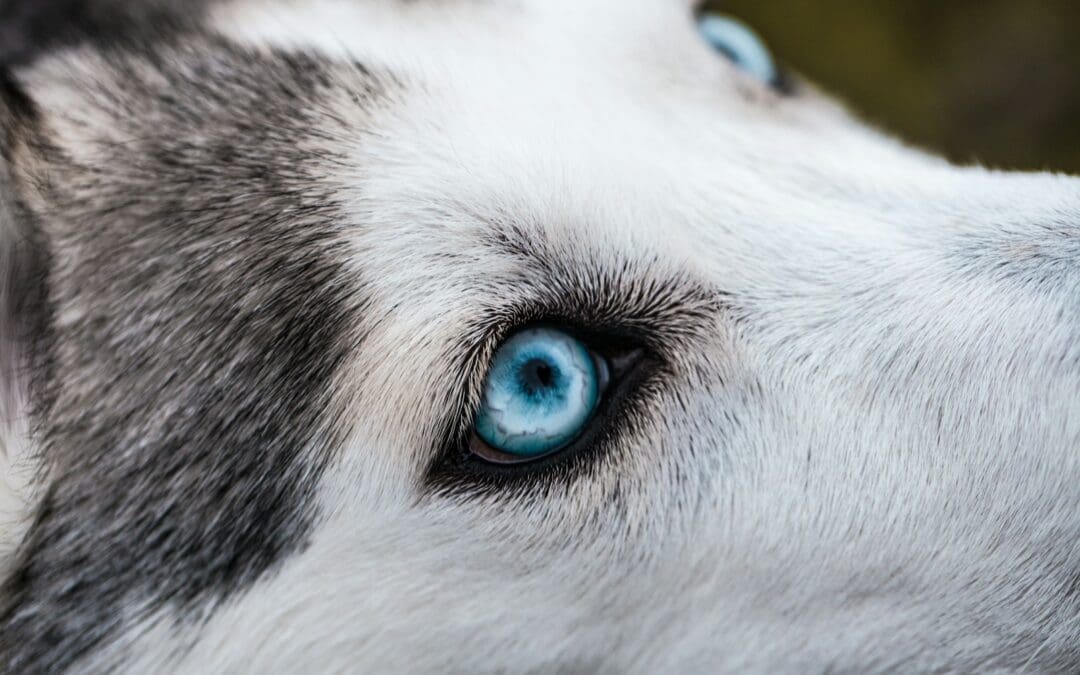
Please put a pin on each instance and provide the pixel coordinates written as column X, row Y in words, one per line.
column 739, row 43
column 543, row 388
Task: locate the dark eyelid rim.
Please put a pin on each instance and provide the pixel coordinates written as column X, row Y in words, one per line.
column 455, row 469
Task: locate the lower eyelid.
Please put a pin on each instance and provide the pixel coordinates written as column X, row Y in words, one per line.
column 489, row 454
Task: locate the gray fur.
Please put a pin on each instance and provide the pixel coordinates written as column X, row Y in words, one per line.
column 181, row 419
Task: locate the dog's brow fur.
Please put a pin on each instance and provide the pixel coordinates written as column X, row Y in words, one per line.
column 186, row 431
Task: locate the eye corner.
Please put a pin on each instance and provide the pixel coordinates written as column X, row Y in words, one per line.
column 786, row 83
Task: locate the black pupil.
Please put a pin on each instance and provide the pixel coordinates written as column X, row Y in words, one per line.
column 538, row 374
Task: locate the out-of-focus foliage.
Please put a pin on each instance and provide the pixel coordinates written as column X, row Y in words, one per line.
column 992, row 81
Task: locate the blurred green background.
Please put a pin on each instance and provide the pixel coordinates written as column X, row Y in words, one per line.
column 993, row 81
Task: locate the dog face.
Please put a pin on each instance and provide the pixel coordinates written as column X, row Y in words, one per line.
column 263, row 259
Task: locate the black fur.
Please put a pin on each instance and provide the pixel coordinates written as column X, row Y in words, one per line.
column 30, row 28
column 187, row 419
column 22, row 260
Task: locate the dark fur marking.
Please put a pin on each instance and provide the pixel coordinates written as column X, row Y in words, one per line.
column 185, row 423
column 22, row 260
column 31, row 28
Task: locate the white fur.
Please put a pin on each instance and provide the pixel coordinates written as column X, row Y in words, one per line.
column 900, row 492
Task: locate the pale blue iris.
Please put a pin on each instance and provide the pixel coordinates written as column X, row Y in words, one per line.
column 741, row 44
column 540, row 393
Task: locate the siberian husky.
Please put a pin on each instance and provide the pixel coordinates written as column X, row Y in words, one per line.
column 514, row 336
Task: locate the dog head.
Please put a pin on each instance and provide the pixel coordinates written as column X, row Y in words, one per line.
column 265, row 264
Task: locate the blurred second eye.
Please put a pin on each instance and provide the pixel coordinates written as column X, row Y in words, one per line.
column 740, row 44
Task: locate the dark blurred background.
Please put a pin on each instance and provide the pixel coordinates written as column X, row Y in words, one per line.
column 993, row 81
